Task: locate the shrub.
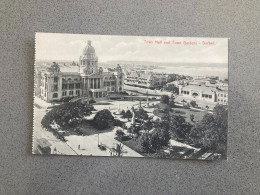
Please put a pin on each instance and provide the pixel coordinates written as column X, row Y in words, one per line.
column 193, row 104
column 165, row 99
column 119, row 133
column 103, row 119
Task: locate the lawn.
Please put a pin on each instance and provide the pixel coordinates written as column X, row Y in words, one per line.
column 198, row 115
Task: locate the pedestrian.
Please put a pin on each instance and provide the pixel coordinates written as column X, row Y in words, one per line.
column 79, row 147
column 55, row 151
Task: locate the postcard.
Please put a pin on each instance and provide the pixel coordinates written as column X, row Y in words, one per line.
column 130, row 96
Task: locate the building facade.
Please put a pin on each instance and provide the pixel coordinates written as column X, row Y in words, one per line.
column 203, row 93
column 145, row 79
column 91, row 81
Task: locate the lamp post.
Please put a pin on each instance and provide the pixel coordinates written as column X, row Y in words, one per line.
column 98, row 139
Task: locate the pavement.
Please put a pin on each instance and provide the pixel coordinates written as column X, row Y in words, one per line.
column 39, row 132
column 88, row 144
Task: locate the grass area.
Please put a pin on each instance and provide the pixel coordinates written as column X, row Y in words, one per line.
column 198, row 115
column 185, row 112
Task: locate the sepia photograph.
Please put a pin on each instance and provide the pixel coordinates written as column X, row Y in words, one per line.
column 130, row 96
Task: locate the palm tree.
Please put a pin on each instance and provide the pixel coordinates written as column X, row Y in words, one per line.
column 119, row 150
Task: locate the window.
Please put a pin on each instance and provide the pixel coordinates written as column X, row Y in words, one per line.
column 100, row 94
column 225, row 95
column 75, row 79
column 113, row 83
column 188, row 92
column 112, row 89
column 55, row 87
column 77, row 85
column 210, row 96
column 221, row 95
column 219, row 100
column 64, row 86
column 71, row 93
column 55, row 95
column 120, row 82
column 56, row 79
column 71, row 86
column 64, row 93
column 104, row 94
column 69, row 79
column 77, row 92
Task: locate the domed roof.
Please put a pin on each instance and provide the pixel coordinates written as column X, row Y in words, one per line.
column 89, row 49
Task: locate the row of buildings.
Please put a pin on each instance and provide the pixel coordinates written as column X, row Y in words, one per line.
column 145, row 79
column 90, row 81
column 94, row 82
column 205, row 90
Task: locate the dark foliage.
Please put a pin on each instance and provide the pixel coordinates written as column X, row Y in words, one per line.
column 211, row 131
column 172, row 88
column 141, row 114
column 103, row 119
column 165, row 99
column 119, row 134
column 67, row 115
column 151, row 142
column 179, row 128
column 193, row 104
column 127, row 114
column 192, row 117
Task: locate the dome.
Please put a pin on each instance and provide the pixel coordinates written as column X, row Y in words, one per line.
column 89, row 49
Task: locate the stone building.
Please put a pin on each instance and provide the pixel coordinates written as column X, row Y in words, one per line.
column 91, row 81
column 203, row 93
column 145, row 79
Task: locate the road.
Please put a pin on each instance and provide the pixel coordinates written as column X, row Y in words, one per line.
column 88, row 144
column 39, row 132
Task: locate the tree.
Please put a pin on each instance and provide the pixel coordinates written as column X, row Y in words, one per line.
column 192, row 117
column 144, row 142
column 67, row 115
column 141, row 114
column 103, row 119
column 172, row 101
column 172, row 88
column 165, row 99
column 211, row 131
column 123, row 113
column 119, row 150
column 179, row 128
column 128, row 115
column 120, row 133
column 193, row 104
column 151, row 142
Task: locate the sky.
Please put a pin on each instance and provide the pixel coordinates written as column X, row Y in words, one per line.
column 56, row 46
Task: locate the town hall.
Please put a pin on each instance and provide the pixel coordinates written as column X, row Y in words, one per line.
column 91, row 81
